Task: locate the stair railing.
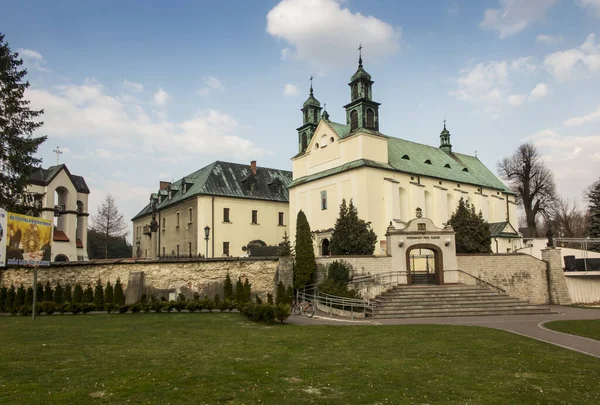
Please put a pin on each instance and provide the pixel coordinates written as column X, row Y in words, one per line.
column 479, row 281
column 327, row 302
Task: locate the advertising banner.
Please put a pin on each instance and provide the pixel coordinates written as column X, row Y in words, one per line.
column 28, row 240
column 2, row 237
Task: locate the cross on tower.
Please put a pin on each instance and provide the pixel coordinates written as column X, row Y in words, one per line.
column 324, row 106
column 58, row 153
column 311, row 89
column 360, row 47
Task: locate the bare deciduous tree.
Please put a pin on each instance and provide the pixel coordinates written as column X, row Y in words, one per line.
column 531, row 179
column 567, row 220
column 109, row 222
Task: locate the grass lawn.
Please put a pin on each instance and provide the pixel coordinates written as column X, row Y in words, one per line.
column 223, row 358
column 589, row 329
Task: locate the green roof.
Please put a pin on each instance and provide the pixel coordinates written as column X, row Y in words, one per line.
column 228, row 180
column 419, row 159
column 497, row 230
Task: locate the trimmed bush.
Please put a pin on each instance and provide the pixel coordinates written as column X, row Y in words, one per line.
column 39, row 292
column 119, row 296
column 265, row 312
column 48, row 292
column 269, row 298
column 67, row 294
column 282, row 312
column 109, row 295
column 110, row 307
column 180, row 306
column 29, row 296
column 87, row 307
column 49, row 307
column 58, row 294
column 217, row 301
column 25, row 310
column 257, row 299
column 135, row 308
column 123, row 309
column 3, row 293
column 157, row 307
column 20, row 297
column 78, row 294
column 239, row 291
column 74, row 308
column 62, row 308
column 99, row 296
column 228, row 288
column 10, row 299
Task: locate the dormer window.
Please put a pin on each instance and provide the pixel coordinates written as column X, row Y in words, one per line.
column 184, row 188
column 428, row 161
column 405, row 157
column 170, row 194
column 447, row 165
column 465, row 170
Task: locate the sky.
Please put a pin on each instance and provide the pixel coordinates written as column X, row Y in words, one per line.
column 142, row 91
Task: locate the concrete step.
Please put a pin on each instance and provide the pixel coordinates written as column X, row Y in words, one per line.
column 460, row 304
column 461, row 314
column 454, row 287
column 429, row 298
column 459, row 309
column 441, row 295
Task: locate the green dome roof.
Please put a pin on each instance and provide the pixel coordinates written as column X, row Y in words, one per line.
column 311, row 102
column 360, row 74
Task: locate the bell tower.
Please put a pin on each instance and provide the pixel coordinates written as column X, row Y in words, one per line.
column 445, row 144
column 311, row 115
column 362, row 112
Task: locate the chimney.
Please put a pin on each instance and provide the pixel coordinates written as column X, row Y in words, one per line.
column 253, row 167
column 164, row 185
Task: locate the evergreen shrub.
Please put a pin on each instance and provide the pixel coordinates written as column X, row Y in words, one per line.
column 49, row 307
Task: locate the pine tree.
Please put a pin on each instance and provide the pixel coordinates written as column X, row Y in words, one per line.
column 239, row 291
column 119, row 296
column 88, row 295
column 3, row 294
column 305, row 254
column 17, row 124
column 29, row 296
column 228, row 288
column 109, row 295
column 20, row 297
column 593, row 197
column 289, row 295
column 99, row 296
column 472, row 231
column 48, row 293
column 39, row 292
column 280, row 294
column 352, row 235
column 247, row 291
column 285, row 247
column 67, row 294
column 10, row 299
column 78, row 294
column 58, row 294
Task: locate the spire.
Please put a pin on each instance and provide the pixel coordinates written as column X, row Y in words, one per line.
column 360, row 47
column 311, row 89
column 445, row 140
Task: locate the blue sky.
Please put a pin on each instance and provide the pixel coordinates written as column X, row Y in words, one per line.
column 136, row 92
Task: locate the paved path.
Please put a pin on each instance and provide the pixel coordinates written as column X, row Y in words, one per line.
column 526, row 325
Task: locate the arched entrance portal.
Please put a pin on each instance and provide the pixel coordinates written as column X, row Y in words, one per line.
column 325, row 247
column 424, row 264
column 61, row 258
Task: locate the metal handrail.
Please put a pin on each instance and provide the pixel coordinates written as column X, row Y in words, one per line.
column 479, row 280
column 311, row 293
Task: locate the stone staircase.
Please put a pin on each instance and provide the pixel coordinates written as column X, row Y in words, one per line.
column 425, row 301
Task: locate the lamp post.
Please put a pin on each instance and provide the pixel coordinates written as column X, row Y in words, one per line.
column 137, row 244
column 206, row 235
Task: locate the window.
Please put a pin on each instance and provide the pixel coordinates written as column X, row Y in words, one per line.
column 447, row 165
column 353, row 120
column 254, row 216
column 190, row 215
column 323, row 200
column 370, row 119
column 428, row 161
column 406, row 157
column 190, row 248
column 304, row 142
column 306, row 115
column 184, row 188
column 281, row 218
column 225, row 248
column 164, row 223
column 332, row 139
column 177, row 224
column 315, row 116
column 225, row 214
column 354, row 92
column 316, row 146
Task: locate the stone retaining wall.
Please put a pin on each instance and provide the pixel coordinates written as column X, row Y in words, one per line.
column 521, row 275
column 360, row 264
column 195, row 275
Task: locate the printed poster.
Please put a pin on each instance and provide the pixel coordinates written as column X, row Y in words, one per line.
column 2, row 236
column 28, row 240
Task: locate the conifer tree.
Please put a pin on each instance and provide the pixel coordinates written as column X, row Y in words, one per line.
column 239, row 291
column 18, row 122
column 472, row 231
column 67, row 294
column 119, row 296
column 593, row 197
column 29, row 296
column 48, row 293
column 88, row 295
column 247, row 291
column 78, row 294
column 10, row 299
column 289, row 295
column 228, row 288
column 285, row 247
column 20, row 297
column 3, row 294
column 280, row 294
column 58, row 294
column 352, row 235
column 305, row 254
column 39, row 293
column 109, row 295
column 99, row 296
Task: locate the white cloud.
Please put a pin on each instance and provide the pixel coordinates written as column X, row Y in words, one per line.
column 569, row 64
column 593, row 116
column 325, row 34
column 593, row 5
column 516, row 99
column 540, row 91
column 133, row 87
column 524, row 65
column 161, row 97
column 513, row 16
column 34, row 58
column 290, row 90
column 564, row 154
column 548, row 39
column 210, row 83
column 125, row 130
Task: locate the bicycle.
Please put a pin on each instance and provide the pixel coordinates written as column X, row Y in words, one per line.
column 305, row 308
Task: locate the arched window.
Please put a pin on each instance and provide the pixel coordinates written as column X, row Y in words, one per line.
column 316, row 115
column 355, row 92
column 306, row 116
column 370, row 119
column 353, row 120
column 304, row 142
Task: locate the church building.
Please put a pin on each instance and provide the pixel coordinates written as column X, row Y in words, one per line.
column 389, row 179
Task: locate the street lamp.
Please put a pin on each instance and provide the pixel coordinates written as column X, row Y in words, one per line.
column 138, row 248
column 206, row 235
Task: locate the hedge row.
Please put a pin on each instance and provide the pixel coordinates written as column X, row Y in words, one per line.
column 266, row 312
